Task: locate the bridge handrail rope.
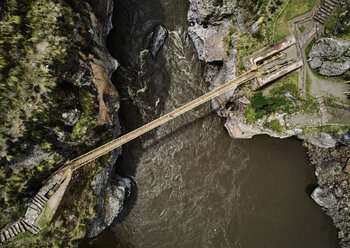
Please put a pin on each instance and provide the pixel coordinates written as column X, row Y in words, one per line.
column 110, row 146
column 106, row 148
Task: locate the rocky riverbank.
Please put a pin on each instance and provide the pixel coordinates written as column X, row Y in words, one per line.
column 332, row 169
column 70, row 108
column 216, row 36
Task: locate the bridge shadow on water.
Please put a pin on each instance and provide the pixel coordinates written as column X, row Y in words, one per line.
column 141, row 81
column 128, row 162
column 143, row 84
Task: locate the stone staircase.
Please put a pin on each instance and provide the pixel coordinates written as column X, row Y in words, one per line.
column 33, row 213
column 32, row 228
column 323, row 110
column 12, row 231
column 22, row 225
column 16, row 228
column 325, row 11
column 38, row 203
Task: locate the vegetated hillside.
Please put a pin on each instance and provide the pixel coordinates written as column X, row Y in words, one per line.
column 339, row 23
column 49, row 82
column 34, row 44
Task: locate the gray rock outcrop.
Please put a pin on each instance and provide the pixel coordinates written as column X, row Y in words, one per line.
column 331, row 56
column 323, row 140
column 210, row 10
column 111, row 204
column 159, row 37
column 210, row 41
column 209, row 31
column 323, row 198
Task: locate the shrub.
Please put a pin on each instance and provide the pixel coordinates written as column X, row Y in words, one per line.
column 274, row 125
column 259, row 101
column 262, row 105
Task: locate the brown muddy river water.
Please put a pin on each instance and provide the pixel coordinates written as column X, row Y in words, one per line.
column 197, row 187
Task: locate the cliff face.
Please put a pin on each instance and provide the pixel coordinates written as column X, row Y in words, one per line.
column 211, row 11
column 69, row 109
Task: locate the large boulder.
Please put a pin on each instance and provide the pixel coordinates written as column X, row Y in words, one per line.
column 323, row 198
column 159, row 37
column 211, row 10
column 210, row 41
column 112, row 202
column 210, row 30
column 323, row 140
column 331, row 56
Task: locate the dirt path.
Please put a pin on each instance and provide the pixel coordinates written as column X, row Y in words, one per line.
column 327, row 86
column 302, row 41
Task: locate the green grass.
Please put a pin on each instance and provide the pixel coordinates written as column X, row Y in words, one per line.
column 275, row 100
column 251, row 115
column 264, row 105
column 333, row 129
column 275, row 125
column 290, row 84
column 46, row 216
column 87, row 121
column 302, row 29
column 231, row 32
column 332, row 98
column 13, row 182
column 32, row 64
column 22, row 236
column 330, row 25
column 286, row 84
column 247, row 43
column 309, row 104
column 293, row 9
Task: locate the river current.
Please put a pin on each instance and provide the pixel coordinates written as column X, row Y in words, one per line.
column 197, row 187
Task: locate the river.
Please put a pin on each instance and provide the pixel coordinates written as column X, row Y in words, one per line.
column 197, row 187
